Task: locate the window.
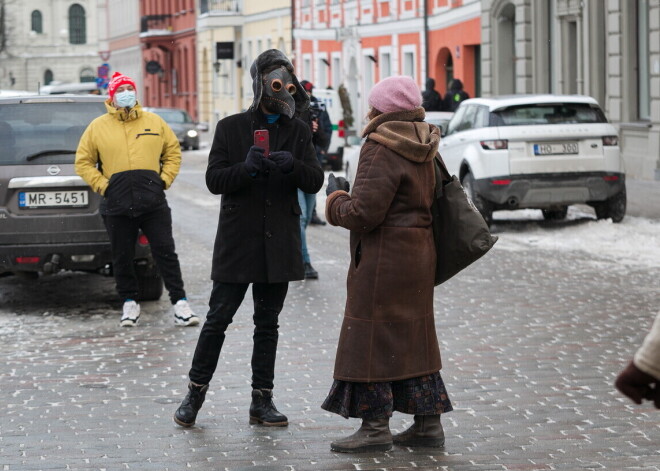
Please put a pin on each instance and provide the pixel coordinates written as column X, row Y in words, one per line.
column 37, row 24
column 77, row 26
column 409, row 64
column 87, row 75
column 48, row 77
column 385, row 65
column 541, row 114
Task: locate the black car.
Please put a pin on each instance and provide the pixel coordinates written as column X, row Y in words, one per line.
column 49, row 217
column 186, row 130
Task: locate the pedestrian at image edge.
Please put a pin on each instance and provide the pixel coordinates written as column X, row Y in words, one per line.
column 321, row 128
column 641, row 378
column 388, row 358
column 131, row 156
column 258, row 237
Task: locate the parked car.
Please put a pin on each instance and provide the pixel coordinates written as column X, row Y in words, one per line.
column 536, row 151
column 186, row 130
column 352, row 150
column 439, row 118
column 332, row 104
column 49, row 217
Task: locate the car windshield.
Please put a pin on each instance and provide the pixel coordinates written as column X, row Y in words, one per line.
column 174, row 116
column 547, row 113
column 44, row 133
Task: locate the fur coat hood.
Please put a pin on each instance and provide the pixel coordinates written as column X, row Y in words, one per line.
column 406, row 133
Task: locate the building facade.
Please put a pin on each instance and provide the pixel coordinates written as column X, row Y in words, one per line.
column 359, row 42
column 169, row 54
column 231, row 34
column 607, row 49
column 120, row 44
column 48, row 41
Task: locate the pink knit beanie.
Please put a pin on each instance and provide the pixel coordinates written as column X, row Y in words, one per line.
column 396, row 93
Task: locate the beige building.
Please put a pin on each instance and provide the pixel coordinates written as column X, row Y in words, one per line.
column 230, row 35
column 49, row 41
column 609, row 49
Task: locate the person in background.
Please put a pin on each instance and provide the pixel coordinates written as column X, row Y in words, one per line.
column 258, row 237
column 319, row 122
column 318, row 110
column 454, row 96
column 130, row 156
column 641, row 378
column 388, row 358
column 431, row 99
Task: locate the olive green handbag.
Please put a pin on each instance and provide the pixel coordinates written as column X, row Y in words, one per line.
column 460, row 233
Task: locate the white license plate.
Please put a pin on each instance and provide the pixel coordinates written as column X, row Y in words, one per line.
column 557, row 148
column 53, row 199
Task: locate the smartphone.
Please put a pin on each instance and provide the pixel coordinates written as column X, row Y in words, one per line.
column 261, row 139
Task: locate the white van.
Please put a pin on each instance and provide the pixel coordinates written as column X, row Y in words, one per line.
column 330, row 98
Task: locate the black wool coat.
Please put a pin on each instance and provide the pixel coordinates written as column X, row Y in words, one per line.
column 258, row 237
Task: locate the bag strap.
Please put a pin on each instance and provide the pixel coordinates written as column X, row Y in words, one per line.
column 442, row 175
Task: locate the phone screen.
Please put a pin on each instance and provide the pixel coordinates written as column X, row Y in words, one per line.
column 261, row 139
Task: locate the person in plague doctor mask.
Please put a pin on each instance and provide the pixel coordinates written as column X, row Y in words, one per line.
column 258, row 237
column 131, row 156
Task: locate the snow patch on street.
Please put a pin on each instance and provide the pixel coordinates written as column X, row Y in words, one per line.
column 633, row 242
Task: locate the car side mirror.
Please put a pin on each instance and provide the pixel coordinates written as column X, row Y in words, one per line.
column 204, row 127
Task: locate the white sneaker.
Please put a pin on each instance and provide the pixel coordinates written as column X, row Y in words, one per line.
column 184, row 315
column 131, row 314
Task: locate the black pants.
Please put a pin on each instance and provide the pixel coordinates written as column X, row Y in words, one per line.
column 157, row 226
column 225, row 300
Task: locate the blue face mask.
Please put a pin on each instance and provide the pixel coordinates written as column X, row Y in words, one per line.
column 125, row 99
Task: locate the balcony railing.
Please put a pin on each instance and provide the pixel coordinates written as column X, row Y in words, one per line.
column 221, row 6
column 156, row 23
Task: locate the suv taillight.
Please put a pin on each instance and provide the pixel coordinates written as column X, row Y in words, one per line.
column 340, row 128
column 496, row 144
column 610, row 140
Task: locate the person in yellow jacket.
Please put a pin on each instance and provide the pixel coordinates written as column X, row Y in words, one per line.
column 131, row 156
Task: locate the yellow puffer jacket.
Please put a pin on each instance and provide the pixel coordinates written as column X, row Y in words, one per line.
column 134, row 140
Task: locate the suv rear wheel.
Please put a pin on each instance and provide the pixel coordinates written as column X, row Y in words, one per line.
column 614, row 207
column 482, row 205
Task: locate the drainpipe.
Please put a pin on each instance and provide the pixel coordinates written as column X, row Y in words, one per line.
column 426, row 39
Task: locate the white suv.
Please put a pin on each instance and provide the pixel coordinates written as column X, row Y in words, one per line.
column 536, row 151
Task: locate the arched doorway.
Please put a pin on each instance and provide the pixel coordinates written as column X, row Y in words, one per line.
column 505, row 52
column 444, row 70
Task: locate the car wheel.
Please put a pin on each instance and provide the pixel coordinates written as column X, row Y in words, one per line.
column 150, row 283
column 614, row 207
column 555, row 214
column 481, row 204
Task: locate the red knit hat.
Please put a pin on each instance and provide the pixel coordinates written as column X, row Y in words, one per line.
column 116, row 81
column 396, row 93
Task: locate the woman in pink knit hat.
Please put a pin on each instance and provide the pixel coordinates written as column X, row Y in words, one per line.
column 388, row 357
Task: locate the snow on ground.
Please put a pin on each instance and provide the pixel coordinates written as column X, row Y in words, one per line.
column 633, row 242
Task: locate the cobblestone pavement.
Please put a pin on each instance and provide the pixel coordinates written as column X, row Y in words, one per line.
column 531, row 343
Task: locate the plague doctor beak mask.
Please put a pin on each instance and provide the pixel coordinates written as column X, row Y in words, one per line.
column 276, row 86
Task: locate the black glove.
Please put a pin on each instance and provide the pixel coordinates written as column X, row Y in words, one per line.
column 283, row 159
column 336, row 183
column 254, row 159
column 638, row 385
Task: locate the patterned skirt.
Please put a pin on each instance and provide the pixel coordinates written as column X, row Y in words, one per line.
column 424, row 395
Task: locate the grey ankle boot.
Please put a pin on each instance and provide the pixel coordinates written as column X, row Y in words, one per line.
column 373, row 435
column 426, row 431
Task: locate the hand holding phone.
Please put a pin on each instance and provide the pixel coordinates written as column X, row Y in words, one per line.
column 261, row 139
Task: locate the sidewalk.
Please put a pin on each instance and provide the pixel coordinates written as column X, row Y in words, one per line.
column 643, row 198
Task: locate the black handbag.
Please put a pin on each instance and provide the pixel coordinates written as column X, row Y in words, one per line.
column 460, row 233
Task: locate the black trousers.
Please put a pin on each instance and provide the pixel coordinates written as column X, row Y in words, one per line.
column 225, row 300
column 157, row 226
